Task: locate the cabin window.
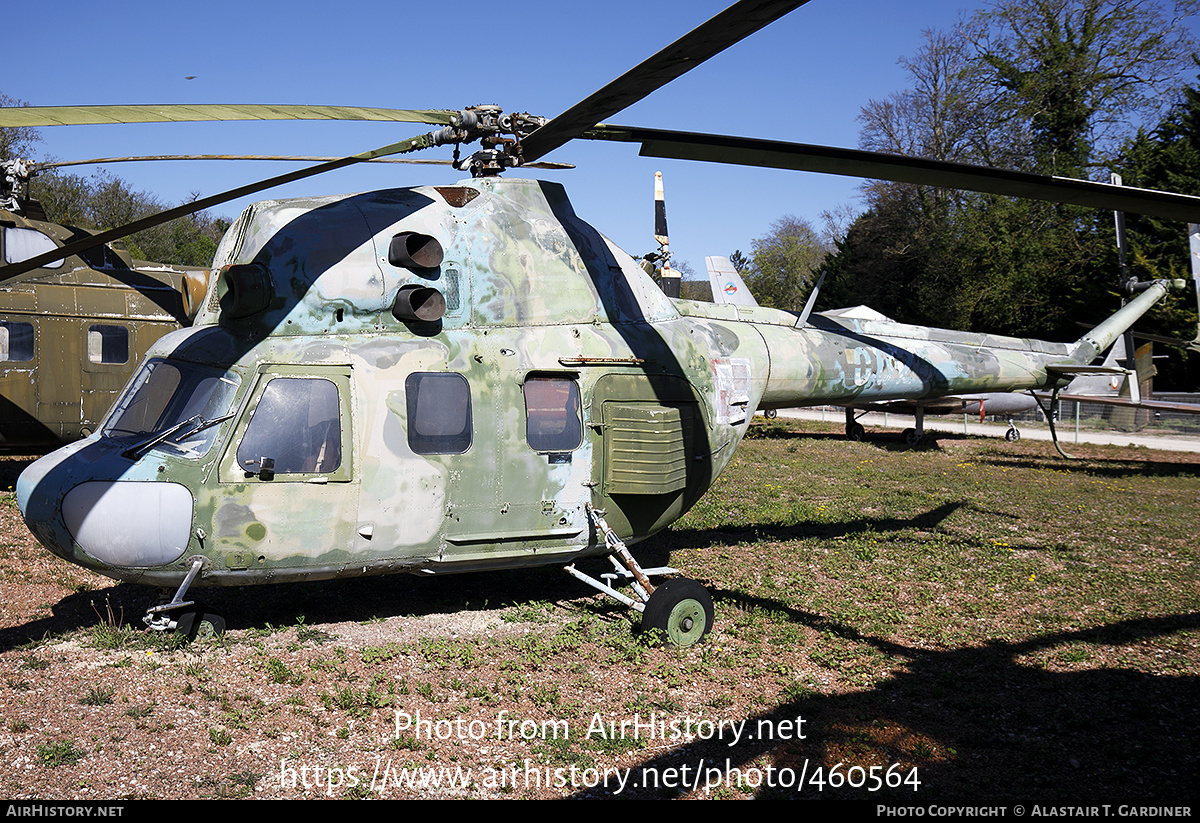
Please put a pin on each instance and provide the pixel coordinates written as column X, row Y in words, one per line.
column 22, row 244
column 439, row 413
column 552, row 422
column 167, row 395
column 108, row 344
column 16, row 342
column 297, row 425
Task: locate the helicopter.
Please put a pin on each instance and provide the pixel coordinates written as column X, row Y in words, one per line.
column 72, row 334
column 73, row 330
column 728, row 287
column 469, row 377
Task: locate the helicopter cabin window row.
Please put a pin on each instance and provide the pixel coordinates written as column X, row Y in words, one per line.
column 16, row 342
column 105, row 344
column 439, row 413
column 22, row 244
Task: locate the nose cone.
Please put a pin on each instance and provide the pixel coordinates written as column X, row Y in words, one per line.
column 129, row 523
column 77, row 499
column 39, row 493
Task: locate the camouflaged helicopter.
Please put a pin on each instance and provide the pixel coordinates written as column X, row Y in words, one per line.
column 469, row 377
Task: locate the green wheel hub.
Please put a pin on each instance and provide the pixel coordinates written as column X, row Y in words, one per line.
column 681, row 610
column 686, row 623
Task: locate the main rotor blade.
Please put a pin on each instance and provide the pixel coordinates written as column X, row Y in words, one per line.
column 96, row 161
column 36, row 116
column 710, row 38
column 745, row 151
column 12, row 270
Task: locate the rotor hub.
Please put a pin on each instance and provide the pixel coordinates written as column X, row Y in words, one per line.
column 499, row 133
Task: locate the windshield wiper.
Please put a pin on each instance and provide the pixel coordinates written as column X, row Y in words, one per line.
column 185, row 429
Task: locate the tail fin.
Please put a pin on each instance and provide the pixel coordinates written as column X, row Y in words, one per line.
column 727, row 284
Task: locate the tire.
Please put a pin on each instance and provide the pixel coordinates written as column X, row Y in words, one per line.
column 771, row 414
column 199, row 621
column 909, row 436
column 1012, row 435
column 681, row 610
column 855, row 432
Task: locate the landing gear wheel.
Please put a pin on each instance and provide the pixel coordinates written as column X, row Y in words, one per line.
column 682, row 610
column 855, row 432
column 1012, row 435
column 771, row 414
column 909, row 436
column 199, row 621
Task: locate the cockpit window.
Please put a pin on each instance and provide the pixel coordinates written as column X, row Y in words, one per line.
column 167, row 395
column 297, row 425
column 22, row 244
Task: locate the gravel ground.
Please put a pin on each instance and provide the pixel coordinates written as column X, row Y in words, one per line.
column 523, row 685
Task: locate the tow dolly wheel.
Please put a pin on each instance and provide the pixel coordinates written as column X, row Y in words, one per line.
column 682, row 610
column 199, row 621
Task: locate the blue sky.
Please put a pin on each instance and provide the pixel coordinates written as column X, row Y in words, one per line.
column 804, row 78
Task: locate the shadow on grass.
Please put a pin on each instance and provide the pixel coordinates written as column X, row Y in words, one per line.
column 980, row 725
column 317, row 602
column 683, row 538
column 366, row 598
column 1096, row 465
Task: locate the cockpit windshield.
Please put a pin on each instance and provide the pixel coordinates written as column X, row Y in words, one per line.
column 174, row 405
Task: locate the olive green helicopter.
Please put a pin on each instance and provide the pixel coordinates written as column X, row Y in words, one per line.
column 73, row 331
column 469, row 377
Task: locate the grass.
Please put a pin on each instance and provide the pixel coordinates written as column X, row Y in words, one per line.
column 992, row 619
column 59, row 753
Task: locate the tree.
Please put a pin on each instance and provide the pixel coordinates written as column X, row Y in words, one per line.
column 105, row 202
column 1167, row 157
column 16, row 142
column 783, row 263
column 944, row 115
column 1079, row 74
column 1035, row 84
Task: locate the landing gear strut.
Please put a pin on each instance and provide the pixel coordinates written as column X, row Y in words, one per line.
column 681, row 610
column 854, row 429
column 190, row 618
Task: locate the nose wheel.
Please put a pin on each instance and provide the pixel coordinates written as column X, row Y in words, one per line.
column 681, row 609
column 198, row 621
